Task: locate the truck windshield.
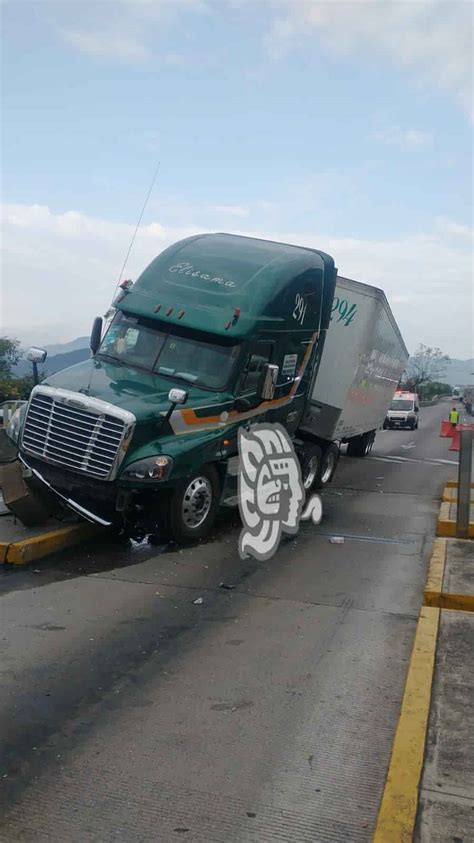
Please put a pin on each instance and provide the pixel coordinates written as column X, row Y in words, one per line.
column 401, row 404
column 136, row 342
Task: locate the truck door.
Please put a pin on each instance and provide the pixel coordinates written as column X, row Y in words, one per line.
column 261, row 351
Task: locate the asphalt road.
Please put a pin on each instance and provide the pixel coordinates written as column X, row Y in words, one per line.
column 265, row 713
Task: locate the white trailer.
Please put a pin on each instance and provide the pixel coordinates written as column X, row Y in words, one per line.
column 363, row 358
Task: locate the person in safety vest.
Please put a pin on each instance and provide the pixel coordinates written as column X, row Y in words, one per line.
column 454, row 417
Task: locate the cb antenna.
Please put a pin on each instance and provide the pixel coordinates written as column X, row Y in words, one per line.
column 155, row 175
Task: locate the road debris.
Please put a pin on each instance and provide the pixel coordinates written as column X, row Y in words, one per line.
column 226, row 585
column 199, row 601
column 337, row 539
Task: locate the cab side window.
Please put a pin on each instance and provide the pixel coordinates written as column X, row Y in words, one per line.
column 260, row 353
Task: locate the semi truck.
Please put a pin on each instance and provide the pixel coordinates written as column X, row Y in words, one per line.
column 219, row 331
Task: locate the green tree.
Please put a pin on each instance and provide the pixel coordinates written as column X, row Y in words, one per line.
column 12, row 388
column 10, row 354
column 425, row 367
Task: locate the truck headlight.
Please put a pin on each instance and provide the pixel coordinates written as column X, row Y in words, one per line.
column 14, row 425
column 151, row 468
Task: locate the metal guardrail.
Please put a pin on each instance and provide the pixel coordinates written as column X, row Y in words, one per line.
column 464, row 484
column 431, row 402
column 8, row 408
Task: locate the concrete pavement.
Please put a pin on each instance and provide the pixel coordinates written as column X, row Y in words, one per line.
column 446, row 808
column 266, row 713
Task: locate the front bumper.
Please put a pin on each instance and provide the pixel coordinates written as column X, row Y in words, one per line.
column 72, row 504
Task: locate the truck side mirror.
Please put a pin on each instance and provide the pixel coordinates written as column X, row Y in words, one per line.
column 96, row 334
column 36, row 355
column 177, row 396
column 267, row 382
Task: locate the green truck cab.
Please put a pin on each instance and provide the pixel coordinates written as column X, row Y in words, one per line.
column 219, row 331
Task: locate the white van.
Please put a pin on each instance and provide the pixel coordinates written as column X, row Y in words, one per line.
column 403, row 411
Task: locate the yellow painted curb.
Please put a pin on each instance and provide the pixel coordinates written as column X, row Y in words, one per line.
column 450, row 495
column 397, row 814
column 434, row 580
column 434, row 594
column 456, row 602
column 27, row 550
column 446, row 525
column 453, row 484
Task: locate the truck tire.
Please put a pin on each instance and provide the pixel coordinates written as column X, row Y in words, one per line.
column 190, row 510
column 311, row 464
column 360, row 446
column 329, row 464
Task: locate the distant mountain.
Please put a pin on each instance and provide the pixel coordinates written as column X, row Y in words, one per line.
column 54, row 363
column 64, row 348
column 459, row 373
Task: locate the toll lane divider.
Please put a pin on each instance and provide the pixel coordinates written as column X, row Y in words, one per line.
column 35, row 547
column 450, row 495
column 398, row 808
column 435, row 595
column 397, row 814
column 446, row 525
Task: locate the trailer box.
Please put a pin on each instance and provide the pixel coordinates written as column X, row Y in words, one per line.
column 363, row 357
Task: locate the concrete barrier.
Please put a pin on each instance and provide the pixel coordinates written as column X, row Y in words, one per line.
column 430, row 403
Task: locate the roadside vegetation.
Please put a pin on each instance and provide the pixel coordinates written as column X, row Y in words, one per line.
column 424, row 373
column 12, row 388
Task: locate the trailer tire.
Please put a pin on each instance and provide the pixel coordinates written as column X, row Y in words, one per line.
column 311, row 465
column 190, row 509
column 361, row 446
column 329, row 464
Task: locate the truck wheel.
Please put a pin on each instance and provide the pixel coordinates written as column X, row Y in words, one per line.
column 192, row 507
column 360, row 446
column 329, row 464
column 311, row 463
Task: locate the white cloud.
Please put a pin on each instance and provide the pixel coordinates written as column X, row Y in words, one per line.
column 60, row 270
column 107, row 44
column 455, row 229
column 230, row 211
column 406, row 138
column 128, row 31
column 430, row 38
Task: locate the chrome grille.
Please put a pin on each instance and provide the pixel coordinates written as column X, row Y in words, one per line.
column 84, row 435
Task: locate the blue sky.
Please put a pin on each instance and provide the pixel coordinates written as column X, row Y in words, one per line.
column 343, row 125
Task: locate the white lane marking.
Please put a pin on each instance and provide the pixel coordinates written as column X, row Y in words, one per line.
column 381, row 539
column 390, row 459
column 401, row 460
